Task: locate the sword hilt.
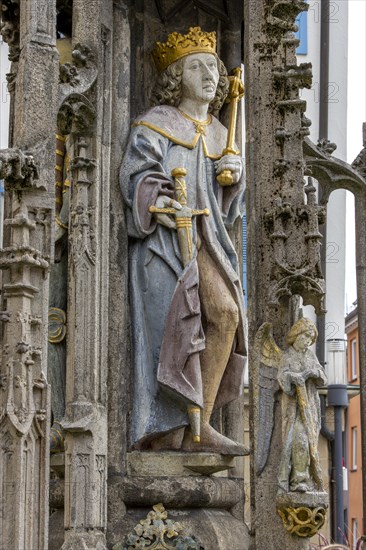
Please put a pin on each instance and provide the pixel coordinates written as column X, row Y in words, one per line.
column 204, row 212
column 180, row 185
column 156, row 210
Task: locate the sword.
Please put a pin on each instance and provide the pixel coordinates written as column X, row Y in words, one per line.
column 183, row 217
column 183, row 223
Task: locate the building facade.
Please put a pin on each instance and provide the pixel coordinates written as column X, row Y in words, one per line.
column 353, row 434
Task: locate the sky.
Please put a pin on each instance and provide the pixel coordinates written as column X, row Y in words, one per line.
column 356, row 116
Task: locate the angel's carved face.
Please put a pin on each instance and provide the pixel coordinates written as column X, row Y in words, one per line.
column 303, row 341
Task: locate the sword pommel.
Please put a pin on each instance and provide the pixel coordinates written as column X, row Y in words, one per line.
column 179, row 172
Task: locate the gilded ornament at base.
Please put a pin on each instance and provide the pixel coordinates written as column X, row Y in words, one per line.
column 302, row 521
column 56, row 325
column 158, row 533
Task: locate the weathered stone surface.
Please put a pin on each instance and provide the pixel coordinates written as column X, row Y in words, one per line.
column 57, row 493
column 278, row 221
column 57, row 464
column 114, row 82
column 308, row 500
column 56, row 530
column 181, row 492
column 85, row 113
column 175, row 463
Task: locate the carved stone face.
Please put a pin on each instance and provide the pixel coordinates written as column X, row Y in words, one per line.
column 303, row 341
column 200, row 77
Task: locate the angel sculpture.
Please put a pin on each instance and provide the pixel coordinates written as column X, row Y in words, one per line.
column 298, row 373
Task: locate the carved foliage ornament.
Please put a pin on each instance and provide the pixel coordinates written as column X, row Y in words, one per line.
column 76, row 115
column 76, row 79
column 283, row 13
column 158, row 533
column 17, row 168
column 82, row 60
column 9, row 26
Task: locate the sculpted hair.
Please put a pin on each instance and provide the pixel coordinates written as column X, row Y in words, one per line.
column 168, row 90
column 301, row 326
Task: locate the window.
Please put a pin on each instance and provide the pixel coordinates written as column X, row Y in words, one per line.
column 354, row 533
column 353, row 360
column 354, row 448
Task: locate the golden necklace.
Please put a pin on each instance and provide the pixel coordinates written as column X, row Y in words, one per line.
column 198, row 124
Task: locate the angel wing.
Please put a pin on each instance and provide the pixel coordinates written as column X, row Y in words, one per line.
column 270, row 353
column 269, row 357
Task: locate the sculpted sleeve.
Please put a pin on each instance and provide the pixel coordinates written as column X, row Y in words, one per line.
column 284, row 374
column 143, row 179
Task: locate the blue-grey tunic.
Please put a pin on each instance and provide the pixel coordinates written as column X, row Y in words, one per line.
column 167, row 334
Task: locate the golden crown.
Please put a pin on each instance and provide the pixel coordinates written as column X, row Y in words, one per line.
column 179, row 45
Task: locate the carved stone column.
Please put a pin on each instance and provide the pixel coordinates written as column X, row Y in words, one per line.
column 84, row 115
column 85, row 419
column 283, row 241
column 28, row 172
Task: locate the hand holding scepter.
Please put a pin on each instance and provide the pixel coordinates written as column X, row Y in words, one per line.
column 236, row 92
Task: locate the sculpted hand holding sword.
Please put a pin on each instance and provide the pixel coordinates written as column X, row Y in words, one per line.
column 181, row 180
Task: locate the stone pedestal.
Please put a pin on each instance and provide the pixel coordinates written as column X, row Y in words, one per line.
column 204, row 505
column 211, row 528
column 177, row 464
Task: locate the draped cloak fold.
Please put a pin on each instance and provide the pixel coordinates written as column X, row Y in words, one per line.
column 167, row 332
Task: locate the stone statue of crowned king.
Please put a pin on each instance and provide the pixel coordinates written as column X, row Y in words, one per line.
column 188, row 323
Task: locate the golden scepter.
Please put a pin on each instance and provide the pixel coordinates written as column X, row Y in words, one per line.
column 236, row 92
column 183, row 223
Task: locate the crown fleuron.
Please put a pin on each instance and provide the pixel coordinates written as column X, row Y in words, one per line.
column 179, row 45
